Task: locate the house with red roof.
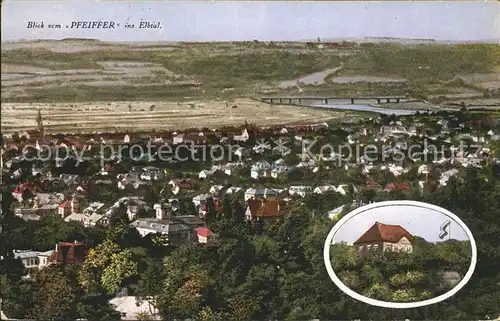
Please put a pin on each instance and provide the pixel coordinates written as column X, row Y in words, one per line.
column 64, row 209
column 385, row 238
column 69, row 253
column 204, row 234
column 259, row 209
column 181, row 184
column 22, row 188
column 203, row 206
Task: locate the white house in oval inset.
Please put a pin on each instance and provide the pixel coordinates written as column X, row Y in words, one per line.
column 373, row 232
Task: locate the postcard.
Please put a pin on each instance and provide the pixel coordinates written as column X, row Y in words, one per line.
column 250, row 160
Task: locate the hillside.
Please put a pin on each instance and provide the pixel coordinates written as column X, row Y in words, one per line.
column 73, row 68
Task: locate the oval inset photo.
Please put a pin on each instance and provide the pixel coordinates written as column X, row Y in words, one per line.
column 400, row 254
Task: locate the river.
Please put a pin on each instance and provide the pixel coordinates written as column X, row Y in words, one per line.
column 373, row 109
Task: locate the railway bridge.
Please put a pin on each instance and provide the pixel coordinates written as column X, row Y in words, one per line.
column 334, row 100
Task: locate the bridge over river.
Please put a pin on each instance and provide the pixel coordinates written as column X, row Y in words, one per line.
column 334, row 100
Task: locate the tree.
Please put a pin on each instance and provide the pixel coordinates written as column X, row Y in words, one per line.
column 17, row 297
column 96, row 307
column 184, row 289
column 107, row 265
column 55, row 295
column 243, row 307
column 148, row 288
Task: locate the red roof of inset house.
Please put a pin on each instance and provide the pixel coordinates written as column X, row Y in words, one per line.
column 384, row 233
column 203, row 231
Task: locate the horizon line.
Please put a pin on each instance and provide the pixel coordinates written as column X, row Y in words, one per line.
column 325, row 40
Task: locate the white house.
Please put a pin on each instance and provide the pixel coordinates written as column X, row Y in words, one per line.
column 343, row 189
column 260, row 193
column 260, row 169
column 324, row 189
column 177, row 230
column 178, row 139
column 243, row 137
column 215, row 189
column 206, row 173
column 147, row 176
column 279, row 162
column 94, row 207
column 228, row 169
column 278, row 171
column 335, row 213
column 200, row 199
column 233, row 190
column 393, row 130
column 90, row 216
column 423, row 169
column 87, row 220
column 445, row 176
column 397, row 170
column 469, row 160
column 131, row 308
column 301, row 191
column 152, row 174
column 255, row 173
column 33, row 259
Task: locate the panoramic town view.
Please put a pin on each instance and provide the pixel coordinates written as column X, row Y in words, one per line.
column 187, row 160
column 401, row 253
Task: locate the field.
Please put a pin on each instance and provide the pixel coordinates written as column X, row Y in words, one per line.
column 148, row 115
column 64, row 78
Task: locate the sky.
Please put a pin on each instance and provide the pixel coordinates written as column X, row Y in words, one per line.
column 417, row 221
column 266, row 21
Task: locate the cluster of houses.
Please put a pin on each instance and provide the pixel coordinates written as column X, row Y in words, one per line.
column 261, row 204
column 97, row 213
